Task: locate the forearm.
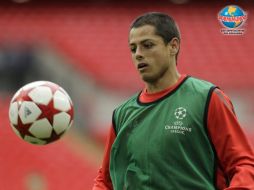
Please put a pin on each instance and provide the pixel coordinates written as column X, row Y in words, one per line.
column 103, row 180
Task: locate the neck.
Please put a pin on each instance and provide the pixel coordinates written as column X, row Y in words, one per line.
column 170, row 78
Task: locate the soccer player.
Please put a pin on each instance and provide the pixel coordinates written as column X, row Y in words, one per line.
column 179, row 132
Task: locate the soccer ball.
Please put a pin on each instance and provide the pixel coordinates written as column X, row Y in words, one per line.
column 41, row 112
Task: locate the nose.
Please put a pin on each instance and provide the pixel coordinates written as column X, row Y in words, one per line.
column 139, row 57
column 138, row 54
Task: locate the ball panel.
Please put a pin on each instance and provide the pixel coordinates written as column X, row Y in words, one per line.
column 16, row 95
column 41, row 95
column 13, row 113
column 61, row 101
column 33, row 140
column 70, row 125
column 34, row 84
column 29, row 112
column 41, row 129
column 66, row 94
column 61, row 122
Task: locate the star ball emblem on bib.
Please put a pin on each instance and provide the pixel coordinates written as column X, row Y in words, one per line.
column 179, row 126
column 180, row 113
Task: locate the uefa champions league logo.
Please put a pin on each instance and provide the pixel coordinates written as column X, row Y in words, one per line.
column 180, row 113
column 179, row 126
column 232, row 18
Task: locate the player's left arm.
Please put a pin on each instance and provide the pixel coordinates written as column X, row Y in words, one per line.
column 234, row 152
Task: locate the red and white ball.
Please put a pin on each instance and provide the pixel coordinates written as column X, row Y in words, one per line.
column 41, row 112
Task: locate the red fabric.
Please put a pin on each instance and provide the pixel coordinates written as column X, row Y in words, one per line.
column 235, row 154
column 146, row 97
column 103, row 181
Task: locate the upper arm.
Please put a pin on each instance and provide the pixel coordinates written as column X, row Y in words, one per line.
column 234, row 152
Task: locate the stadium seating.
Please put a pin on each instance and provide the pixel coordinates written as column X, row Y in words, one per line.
column 96, row 38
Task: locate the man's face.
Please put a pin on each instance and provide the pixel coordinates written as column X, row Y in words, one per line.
column 150, row 55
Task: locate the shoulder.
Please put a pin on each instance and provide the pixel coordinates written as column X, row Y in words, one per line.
column 199, row 86
column 123, row 111
column 220, row 99
column 126, row 105
column 199, row 82
column 129, row 101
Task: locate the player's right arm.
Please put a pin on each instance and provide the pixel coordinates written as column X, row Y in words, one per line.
column 103, row 180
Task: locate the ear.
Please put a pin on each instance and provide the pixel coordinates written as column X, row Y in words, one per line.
column 174, row 46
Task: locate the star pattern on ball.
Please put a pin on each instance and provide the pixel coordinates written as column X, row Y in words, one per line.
column 22, row 96
column 23, row 128
column 41, row 112
column 48, row 111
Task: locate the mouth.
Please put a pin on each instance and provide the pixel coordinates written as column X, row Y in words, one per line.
column 142, row 66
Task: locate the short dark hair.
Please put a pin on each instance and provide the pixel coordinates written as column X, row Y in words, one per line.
column 165, row 25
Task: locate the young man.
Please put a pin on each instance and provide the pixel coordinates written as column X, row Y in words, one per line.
column 179, row 132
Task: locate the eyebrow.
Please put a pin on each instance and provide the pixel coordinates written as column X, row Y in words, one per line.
column 143, row 41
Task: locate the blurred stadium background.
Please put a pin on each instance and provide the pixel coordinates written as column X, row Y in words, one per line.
column 82, row 46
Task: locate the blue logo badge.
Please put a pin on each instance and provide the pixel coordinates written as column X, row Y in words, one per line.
column 232, row 17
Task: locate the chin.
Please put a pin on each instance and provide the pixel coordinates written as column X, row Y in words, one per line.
column 149, row 79
column 155, row 76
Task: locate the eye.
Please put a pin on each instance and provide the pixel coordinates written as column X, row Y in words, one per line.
column 133, row 49
column 148, row 45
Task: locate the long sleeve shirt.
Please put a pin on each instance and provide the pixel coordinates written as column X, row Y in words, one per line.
column 235, row 155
